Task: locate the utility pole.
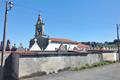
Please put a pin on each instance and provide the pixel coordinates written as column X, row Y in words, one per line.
column 8, row 7
column 118, row 40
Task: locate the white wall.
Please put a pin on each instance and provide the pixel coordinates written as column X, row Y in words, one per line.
column 54, row 46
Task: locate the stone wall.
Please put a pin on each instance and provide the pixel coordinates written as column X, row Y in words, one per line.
column 30, row 65
column 49, row 63
column 5, row 56
column 110, row 56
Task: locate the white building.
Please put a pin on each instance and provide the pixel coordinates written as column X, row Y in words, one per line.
column 52, row 44
column 61, row 44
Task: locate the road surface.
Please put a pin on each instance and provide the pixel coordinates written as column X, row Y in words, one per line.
column 108, row 72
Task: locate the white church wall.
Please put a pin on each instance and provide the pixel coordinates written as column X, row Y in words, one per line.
column 72, row 46
column 54, row 46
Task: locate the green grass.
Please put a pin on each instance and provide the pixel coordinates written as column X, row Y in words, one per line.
column 87, row 66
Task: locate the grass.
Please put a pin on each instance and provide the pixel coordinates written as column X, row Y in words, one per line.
column 87, row 66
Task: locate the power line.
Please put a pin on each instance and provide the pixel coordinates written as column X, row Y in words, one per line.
column 23, row 6
column 28, row 8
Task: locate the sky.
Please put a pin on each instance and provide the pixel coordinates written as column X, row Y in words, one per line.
column 78, row 20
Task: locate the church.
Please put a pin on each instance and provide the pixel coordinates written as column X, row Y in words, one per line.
column 42, row 42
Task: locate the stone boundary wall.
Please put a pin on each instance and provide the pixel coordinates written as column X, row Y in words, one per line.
column 29, row 64
column 52, row 62
column 110, row 56
column 5, row 57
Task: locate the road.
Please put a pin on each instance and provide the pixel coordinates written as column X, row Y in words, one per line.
column 108, row 72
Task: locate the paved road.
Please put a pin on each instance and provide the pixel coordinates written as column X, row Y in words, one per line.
column 108, row 72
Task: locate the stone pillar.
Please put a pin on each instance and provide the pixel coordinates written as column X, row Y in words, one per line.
column 11, row 68
column 1, row 73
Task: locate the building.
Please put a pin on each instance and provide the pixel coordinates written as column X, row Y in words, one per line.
column 69, row 45
column 40, row 38
column 43, row 43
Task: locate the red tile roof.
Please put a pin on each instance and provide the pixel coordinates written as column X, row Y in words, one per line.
column 68, row 41
column 82, row 46
column 59, row 40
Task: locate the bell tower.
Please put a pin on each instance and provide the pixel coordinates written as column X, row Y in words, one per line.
column 39, row 27
column 40, row 38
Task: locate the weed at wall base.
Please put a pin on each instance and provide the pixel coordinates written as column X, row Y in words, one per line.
column 87, row 66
